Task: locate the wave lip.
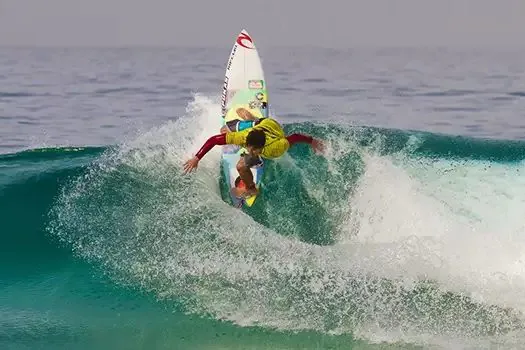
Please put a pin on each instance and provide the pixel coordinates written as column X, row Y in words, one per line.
column 385, row 238
column 395, row 257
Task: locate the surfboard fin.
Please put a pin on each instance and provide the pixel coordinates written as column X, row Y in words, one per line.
column 250, row 200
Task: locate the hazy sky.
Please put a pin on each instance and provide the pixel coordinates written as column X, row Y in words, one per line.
column 328, row 23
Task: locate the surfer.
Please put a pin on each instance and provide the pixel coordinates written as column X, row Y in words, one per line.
column 262, row 138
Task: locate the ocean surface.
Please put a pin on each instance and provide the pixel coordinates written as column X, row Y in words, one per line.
column 408, row 234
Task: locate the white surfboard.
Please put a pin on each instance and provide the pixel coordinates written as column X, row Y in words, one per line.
column 244, row 87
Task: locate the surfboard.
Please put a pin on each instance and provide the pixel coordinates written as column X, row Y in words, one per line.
column 244, row 87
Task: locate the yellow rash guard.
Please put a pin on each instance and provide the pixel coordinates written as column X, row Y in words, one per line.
column 276, row 143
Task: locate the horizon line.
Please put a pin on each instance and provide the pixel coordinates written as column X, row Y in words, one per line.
column 260, row 47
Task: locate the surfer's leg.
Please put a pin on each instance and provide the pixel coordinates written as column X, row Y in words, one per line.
column 251, row 161
column 243, row 167
column 245, row 114
column 246, row 174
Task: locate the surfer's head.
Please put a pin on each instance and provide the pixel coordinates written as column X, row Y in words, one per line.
column 255, row 141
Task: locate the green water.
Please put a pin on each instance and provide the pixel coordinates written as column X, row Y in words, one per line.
column 114, row 248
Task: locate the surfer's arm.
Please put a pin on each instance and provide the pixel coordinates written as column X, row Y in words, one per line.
column 215, row 140
column 236, row 138
column 316, row 144
column 299, row 138
column 193, row 163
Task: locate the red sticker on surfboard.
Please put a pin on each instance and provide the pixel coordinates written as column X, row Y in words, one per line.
column 255, row 84
column 244, row 39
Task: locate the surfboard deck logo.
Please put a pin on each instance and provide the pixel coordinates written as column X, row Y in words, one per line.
column 244, row 37
column 224, row 95
column 255, row 84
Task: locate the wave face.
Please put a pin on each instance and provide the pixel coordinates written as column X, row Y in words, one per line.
column 394, row 236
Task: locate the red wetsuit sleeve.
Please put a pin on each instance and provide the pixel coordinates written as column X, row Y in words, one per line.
column 212, row 141
column 296, row 138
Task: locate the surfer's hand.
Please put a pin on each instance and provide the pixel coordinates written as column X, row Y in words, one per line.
column 191, row 164
column 318, row 146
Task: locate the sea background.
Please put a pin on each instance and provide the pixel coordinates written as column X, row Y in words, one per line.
column 409, row 233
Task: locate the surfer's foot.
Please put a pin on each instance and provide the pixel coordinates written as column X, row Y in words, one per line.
column 243, row 192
